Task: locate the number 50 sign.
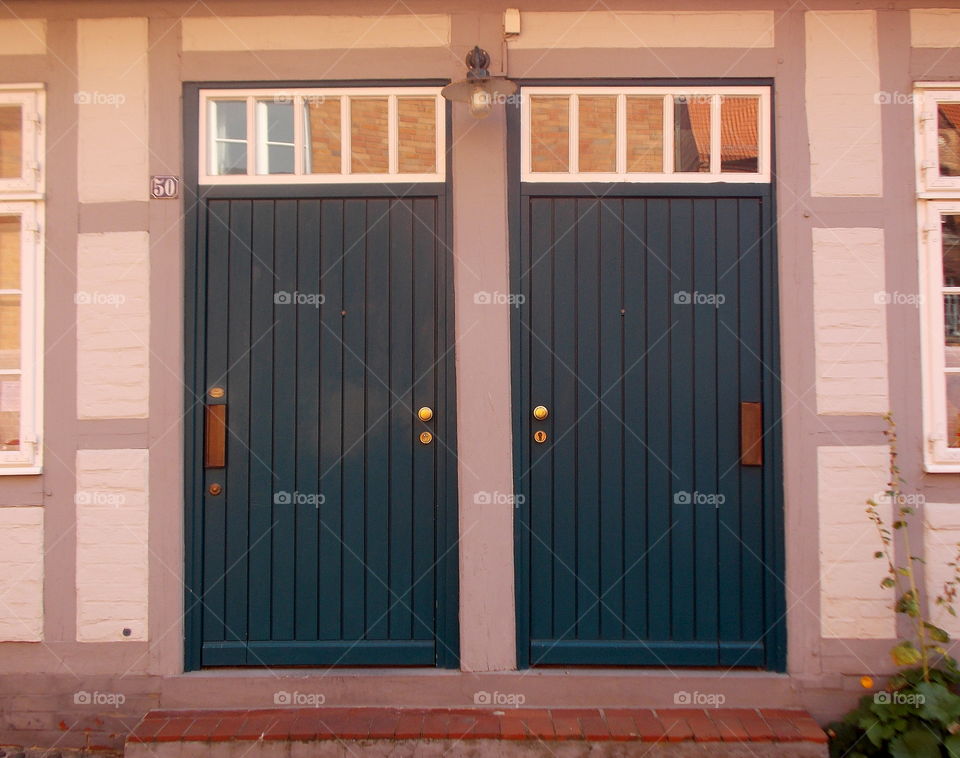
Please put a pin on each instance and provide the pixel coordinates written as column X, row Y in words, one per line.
column 164, row 187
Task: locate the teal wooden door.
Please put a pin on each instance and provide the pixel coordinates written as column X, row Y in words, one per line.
column 647, row 322
column 323, row 539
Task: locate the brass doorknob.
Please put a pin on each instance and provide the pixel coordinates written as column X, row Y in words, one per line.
column 425, row 413
column 540, row 412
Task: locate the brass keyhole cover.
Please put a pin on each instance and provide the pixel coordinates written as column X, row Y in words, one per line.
column 425, row 438
column 540, row 436
column 214, row 489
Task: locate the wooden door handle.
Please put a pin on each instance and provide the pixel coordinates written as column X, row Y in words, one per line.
column 751, row 434
column 215, row 442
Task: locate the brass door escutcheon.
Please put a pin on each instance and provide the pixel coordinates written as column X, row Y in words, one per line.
column 214, row 489
column 425, row 413
column 540, row 412
column 425, row 438
column 540, row 436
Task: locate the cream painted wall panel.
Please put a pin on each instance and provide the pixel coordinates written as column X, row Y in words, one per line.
column 113, row 157
column 546, row 30
column 21, row 574
column 852, row 603
column 850, row 321
column 112, row 544
column 113, row 325
column 23, row 36
column 941, row 536
column 935, row 27
column 843, row 112
column 315, row 32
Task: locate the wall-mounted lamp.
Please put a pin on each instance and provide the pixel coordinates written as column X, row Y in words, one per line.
column 479, row 90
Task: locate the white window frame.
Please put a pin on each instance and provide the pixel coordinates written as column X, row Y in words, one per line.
column 668, row 175
column 930, row 184
column 30, row 99
column 298, row 97
column 938, row 455
column 27, row 460
column 24, row 197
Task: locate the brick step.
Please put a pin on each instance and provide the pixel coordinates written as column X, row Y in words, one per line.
column 321, row 732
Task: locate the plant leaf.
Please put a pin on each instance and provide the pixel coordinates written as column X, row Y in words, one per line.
column 905, row 654
column 917, row 743
column 936, row 633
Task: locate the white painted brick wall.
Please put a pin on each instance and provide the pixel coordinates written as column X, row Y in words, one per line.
column 941, row 537
column 113, row 325
column 112, row 81
column 850, row 323
column 112, row 544
column 21, row 573
column 934, row 27
column 843, row 113
column 852, row 602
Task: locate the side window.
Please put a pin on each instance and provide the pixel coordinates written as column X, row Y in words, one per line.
column 21, row 278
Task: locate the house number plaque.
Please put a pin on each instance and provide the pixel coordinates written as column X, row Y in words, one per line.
column 164, row 187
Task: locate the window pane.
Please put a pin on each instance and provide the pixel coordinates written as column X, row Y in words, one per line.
column 598, row 133
column 369, row 151
column 549, row 134
column 10, row 142
column 950, row 234
column 645, row 134
column 231, row 119
column 417, row 141
column 231, row 158
column 953, row 410
column 9, row 413
column 323, row 135
column 948, row 138
column 9, row 331
column 279, row 159
column 10, row 252
column 691, row 133
column 279, row 121
column 739, row 139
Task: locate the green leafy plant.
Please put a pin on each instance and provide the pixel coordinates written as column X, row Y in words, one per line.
column 917, row 715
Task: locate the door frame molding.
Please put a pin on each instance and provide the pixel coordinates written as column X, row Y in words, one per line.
column 774, row 537
column 447, row 518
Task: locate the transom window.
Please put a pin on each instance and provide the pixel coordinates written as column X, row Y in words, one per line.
column 645, row 134
column 939, row 167
column 321, row 135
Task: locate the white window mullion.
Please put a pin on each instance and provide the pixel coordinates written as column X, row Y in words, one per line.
column 345, row 147
column 393, row 135
column 715, row 141
column 668, row 132
column 299, row 143
column 573, row 132
column 252, row 137
column 621, row 134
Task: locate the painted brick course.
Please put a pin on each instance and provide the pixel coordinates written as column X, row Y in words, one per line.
column 112, row 544
column 113, row 325
column 852, row 602
column 21, row 573
column 850, row 321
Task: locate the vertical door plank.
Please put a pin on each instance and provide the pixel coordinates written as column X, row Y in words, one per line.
column 284, row 423
column 262, row 485
column 354, row 418
column 402, row 409
column 661, row 284
column 214, row 508
column 751, row 378
column 425, row 355
column 728, row 420
column 705, row 510
column 636, row 259
column 379, row 399
column 564, row 428
column 682, row 429
column 307, row 419
column 611, row 412
column 539, row 226
column 236, row 491
column 331, row 420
